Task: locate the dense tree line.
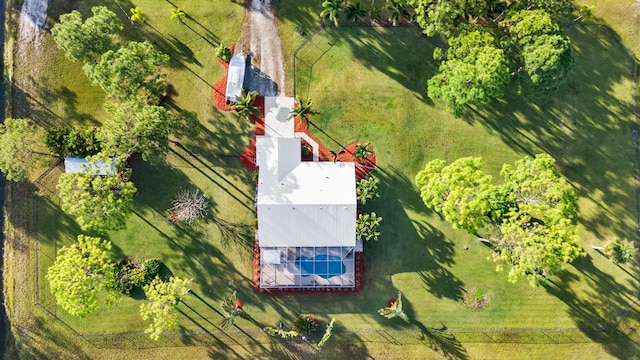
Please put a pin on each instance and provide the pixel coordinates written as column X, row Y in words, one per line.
column 492, row 45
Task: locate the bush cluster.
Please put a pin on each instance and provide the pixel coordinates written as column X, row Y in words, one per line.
column 475, row 299
column 72, row 141
column 130, row 274
column 306, row 323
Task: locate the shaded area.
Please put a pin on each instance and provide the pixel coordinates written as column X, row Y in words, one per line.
column 606, row 312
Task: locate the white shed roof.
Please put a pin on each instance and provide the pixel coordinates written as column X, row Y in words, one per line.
column 78, row 164
column 235, row 77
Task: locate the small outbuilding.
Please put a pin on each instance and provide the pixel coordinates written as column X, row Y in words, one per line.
column 235, row 77
column 79, row 164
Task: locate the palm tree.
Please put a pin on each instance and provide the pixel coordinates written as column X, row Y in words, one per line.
column 394, row 309
column 332, row 9
column 362, row 150
column 397, row 10
column 137, row 14
column 232, row 308
column 244, row 105
column 336, row 154
column 177, row 14
column 302, row 109
column 354, row 12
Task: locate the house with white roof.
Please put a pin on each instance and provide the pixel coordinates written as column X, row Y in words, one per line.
column 306, row 210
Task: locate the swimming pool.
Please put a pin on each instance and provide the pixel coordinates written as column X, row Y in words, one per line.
column 325, row 266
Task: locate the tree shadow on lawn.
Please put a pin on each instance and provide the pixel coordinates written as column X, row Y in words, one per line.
column 410, row 245
column 305, row 20
column 400, row 53
column 229, row 187
column 607, row 312
column 68, row 100
column 405, row 246
column 34, row 107
column 158, row 184
column 585, row 126
column 44, row 338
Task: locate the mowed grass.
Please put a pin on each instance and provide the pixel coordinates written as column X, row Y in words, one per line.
column 369, row 85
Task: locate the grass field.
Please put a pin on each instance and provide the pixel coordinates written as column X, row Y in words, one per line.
column 368, row 83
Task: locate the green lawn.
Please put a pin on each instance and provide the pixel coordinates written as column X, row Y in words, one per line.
column 368, row 83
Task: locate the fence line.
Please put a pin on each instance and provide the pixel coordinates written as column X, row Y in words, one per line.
column 140, row 340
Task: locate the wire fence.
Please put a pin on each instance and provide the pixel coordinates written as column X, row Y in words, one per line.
column 317, row 45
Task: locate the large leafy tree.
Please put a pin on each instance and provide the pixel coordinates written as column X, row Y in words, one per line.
column 163, row 298
column 474, row 71
column 86, row 41
column 544, row 53
column 138, row 128
column 20, row 144
column 540, row 60
column 131, row 73
column 79, row 273
column 530, row 216
column 98, row 202
column 459, row 191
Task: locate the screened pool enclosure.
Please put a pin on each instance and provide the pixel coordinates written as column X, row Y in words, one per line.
column 307, row 267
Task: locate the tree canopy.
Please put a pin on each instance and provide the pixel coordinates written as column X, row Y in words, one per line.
column 544, row 52
column 98, row 203
column 520, row 38
column 529, row 218
column 138, row 128
column 79, row 273
column 20, row 143
column 163, row 299
column 458, row 191
column 474, row 71
column 130, row 73
column 86, row 41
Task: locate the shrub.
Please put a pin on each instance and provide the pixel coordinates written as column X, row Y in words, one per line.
column 150, row 269
column 128, row 274
column 368, row 226
column 619, row 251
column 73, row 141
column 55, row 140
column 475, row 299
column 367, row 189
column 305, row 324
column 280, row 333
column 305, row 150
column 223, row 53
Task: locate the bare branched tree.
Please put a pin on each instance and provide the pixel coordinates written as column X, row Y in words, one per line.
column 188, row 206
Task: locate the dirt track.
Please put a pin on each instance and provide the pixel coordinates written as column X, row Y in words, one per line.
column 260, row 40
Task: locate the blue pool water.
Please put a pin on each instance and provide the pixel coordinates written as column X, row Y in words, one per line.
column 325, row 266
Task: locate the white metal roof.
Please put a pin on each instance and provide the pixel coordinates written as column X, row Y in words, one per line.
column 78, row 164
column 303, row 203
column 276, row 117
